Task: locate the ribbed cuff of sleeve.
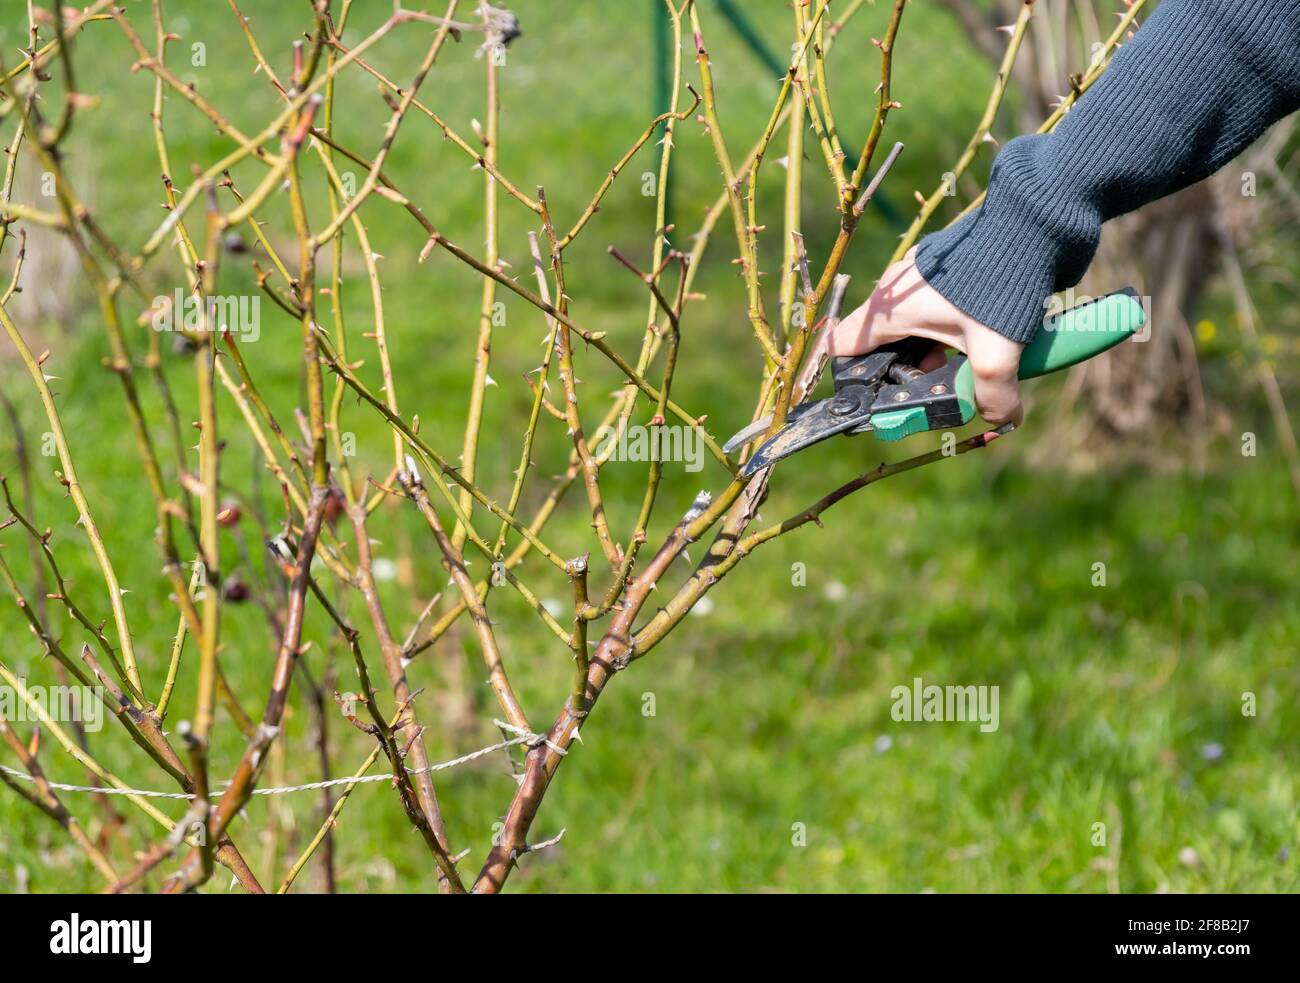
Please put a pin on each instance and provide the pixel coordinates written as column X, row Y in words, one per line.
column 1000, row 264
column 980, row 267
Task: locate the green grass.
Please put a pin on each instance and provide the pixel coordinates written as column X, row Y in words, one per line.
column 1119, row 704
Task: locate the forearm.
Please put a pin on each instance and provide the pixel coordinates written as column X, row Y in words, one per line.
column 1201, row 80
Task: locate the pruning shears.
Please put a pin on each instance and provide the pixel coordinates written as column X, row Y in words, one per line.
column 885, row 393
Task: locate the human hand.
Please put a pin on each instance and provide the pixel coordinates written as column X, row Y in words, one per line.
column 903, row 305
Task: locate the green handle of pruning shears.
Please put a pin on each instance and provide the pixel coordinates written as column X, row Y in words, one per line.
column 1067, row 339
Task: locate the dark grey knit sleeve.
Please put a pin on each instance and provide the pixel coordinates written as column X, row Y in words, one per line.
column 1196, row 85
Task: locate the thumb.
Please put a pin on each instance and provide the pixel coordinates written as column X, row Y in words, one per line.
column 995, row 365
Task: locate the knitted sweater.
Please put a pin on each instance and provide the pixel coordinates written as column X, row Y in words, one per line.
column 1197, row 84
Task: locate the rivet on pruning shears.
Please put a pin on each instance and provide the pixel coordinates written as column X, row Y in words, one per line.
column 844, row 404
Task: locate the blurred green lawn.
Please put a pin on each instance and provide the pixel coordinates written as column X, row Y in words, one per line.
column 1119, row 704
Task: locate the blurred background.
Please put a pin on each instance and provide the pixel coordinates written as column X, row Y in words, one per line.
column 770, row 761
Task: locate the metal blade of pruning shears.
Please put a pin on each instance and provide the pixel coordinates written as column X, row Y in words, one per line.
column 759, row 427
column 744, row 435
column 812, row 423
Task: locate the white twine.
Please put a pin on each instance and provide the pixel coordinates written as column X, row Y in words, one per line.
column 524, row 737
